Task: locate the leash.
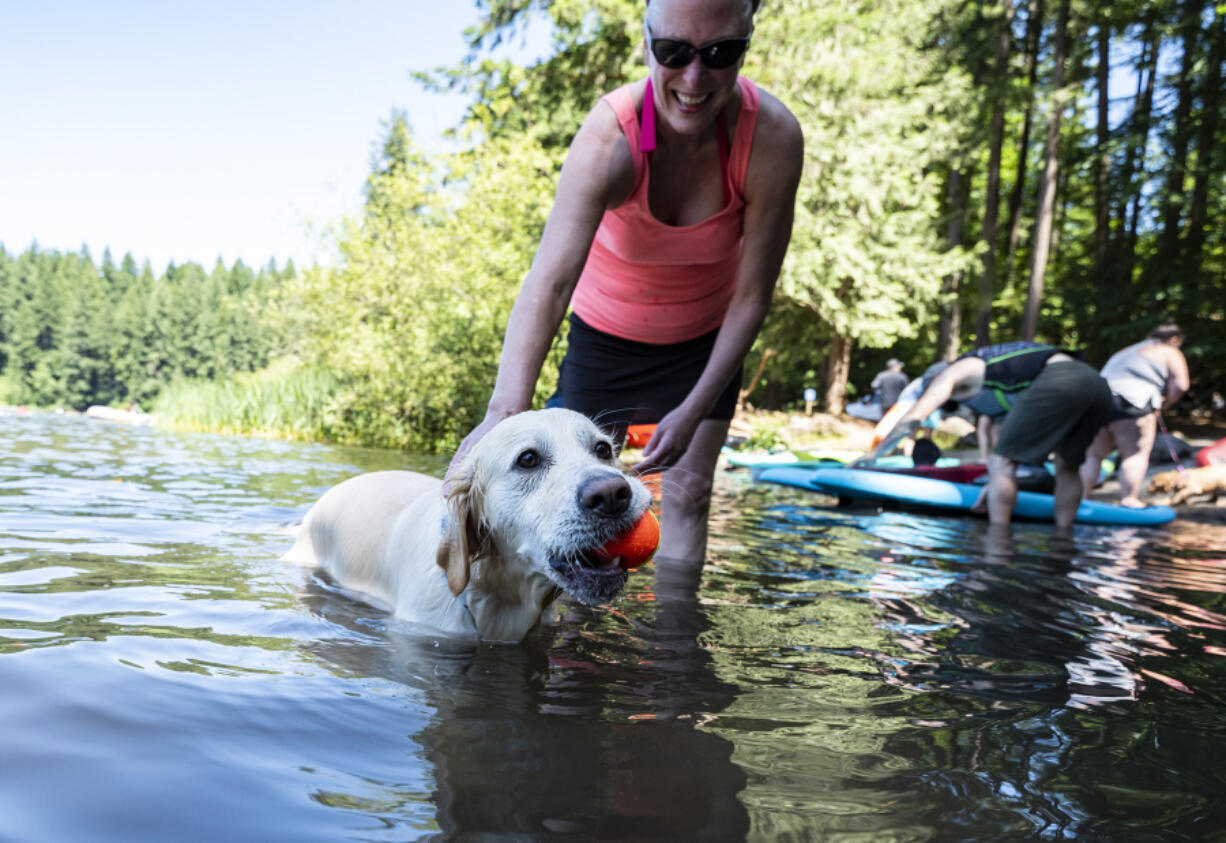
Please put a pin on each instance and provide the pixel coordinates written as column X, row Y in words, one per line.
column 1166, row 437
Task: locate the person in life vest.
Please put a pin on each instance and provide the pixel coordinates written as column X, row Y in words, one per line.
column 1044, row 400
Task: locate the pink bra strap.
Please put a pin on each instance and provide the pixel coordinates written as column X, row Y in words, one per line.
column 647, row 135
column 721, row 123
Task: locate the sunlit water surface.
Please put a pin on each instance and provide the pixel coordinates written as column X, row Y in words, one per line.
column 840, row 674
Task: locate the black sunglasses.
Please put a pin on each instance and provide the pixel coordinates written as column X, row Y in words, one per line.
column 714, row 55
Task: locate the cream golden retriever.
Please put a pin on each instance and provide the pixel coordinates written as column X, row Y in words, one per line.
column 1191, row 482
column 524, row 511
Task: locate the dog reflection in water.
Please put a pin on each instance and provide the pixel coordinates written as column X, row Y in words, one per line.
column 522, row 518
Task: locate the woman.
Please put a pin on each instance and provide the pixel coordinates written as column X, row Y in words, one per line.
column 1144, row 378
column 672, row 217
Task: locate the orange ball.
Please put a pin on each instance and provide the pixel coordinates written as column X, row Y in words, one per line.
column 636, row 546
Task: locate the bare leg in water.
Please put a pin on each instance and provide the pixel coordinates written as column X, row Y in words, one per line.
column 1068, row 492
column 686, row 498
column 1000, row 493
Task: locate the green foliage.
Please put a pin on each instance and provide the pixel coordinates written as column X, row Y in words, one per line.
column 1164, row 254
column 399, row 341
column 412, row 320
column 285, row 400
column 765, row 436
column 74, row 334
column 880, row 115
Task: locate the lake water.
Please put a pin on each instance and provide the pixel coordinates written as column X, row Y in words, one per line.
column 837, row 674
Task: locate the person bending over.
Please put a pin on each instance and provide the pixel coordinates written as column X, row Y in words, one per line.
column 672, row 216
column 1049, row 402
column 1144, row 378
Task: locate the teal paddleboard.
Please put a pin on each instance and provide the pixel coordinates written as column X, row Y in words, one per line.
column 941, row 494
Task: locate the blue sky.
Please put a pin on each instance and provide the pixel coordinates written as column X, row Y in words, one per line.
column 192, row 131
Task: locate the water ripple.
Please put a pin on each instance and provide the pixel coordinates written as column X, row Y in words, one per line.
column 836, row 673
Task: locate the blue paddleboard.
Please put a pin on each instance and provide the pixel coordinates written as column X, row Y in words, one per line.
column 941, row 494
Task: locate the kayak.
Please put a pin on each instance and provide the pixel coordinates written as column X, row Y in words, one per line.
column 913, row 490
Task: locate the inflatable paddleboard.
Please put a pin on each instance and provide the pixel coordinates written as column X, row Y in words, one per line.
column 760, row 459
column 828, row 459
column 906, row 399
column 1214, row 453
column 909, row 489
column 956, row 473
column 867, row 408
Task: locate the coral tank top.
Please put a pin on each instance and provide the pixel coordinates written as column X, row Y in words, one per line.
column 655, row 283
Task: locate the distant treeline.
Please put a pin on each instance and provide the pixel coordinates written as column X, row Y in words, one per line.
column 74, row 332
column 974, row 172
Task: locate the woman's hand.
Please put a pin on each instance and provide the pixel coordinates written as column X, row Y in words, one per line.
column 670, row 441
column 487, row 424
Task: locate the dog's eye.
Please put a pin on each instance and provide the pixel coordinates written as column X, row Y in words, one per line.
column 528, row 459
column 603, row 450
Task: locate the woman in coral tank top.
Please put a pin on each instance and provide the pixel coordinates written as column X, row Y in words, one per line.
column 672, row 217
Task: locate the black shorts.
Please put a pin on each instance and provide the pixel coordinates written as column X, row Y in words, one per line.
column 1122, row 408
column 1061, row 412
column 619, row 382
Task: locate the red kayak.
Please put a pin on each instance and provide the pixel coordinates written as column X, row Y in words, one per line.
column 1215, row 453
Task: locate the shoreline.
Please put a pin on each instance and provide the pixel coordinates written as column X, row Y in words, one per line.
column 825, row 431
column 817, row 431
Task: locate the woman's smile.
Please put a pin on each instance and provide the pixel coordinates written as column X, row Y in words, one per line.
column 691, row 103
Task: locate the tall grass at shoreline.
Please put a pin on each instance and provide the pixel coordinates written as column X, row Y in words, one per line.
column 7, row 388
column 285, row 400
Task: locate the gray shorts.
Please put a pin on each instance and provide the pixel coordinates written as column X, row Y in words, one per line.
column 1061, row 412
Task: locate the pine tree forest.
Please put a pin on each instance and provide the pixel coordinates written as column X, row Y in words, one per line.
column 976, row 172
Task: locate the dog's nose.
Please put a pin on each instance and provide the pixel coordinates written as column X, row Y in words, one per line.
column 607, row 494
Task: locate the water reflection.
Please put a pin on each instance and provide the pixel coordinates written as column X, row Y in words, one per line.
column 1035, row 668
column 570, row 733
column 836, row 672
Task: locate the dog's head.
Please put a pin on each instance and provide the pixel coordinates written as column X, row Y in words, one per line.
column 1166, row 481
column 542, row 489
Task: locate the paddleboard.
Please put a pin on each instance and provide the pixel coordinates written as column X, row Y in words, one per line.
column 1215, row 453
column 827, row 459
column 906, row 399
column 761, row 459
column 956, row 473
column 941, row 494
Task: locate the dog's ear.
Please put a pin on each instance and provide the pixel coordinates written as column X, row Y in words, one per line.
column 461, row 533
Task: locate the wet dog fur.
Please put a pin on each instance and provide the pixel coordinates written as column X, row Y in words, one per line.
column 523, row 513
column 1192, row 482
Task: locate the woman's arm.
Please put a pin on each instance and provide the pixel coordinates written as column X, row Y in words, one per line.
column 1179, row 380
column 770, row 200
column 962, row 376
column 598, row 174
